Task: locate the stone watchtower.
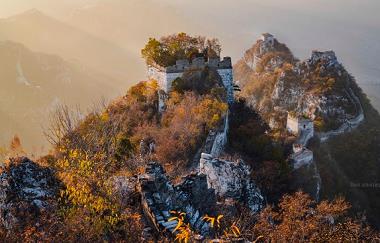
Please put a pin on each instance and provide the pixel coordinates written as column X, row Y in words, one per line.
column 267, row 38
column 166, row 75
column 265, row 44
column 298, row 125
column 303, row 128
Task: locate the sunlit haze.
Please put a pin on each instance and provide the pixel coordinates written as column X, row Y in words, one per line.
column 350, row 28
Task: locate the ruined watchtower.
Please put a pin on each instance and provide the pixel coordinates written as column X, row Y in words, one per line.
column 265, row 44
column 296, row 125
column 267, row 38
column 303, row 128
column 166, row 75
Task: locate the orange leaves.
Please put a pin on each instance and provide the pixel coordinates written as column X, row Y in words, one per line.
column 183, row 229
column 209, row 219
column 235, row 230
column 228, row 232
column 212, row 220
column 184, row 232
column 185, row 123
column 168, row 49
column 299, row 218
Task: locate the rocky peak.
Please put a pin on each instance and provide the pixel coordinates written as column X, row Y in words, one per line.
column 266, row 43
column 262, row 53
column 317, row 87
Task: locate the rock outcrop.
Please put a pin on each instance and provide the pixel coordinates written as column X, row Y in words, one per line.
column 231, row 180
column 125, row 189
column 26, row 189
column 159, row 197
column 218, row 182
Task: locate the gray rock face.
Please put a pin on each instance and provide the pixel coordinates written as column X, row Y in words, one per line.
column 303, row 157
column 231, row 180
column 197, row 194
column 124, row 189
column 25, row 187
column 159, row 196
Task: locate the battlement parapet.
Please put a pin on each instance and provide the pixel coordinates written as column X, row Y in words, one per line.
column 166, row 75
column 197, row 63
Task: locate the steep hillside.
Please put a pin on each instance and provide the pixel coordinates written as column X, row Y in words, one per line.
column 33, row 84
column 346, row 145
column 43, row 33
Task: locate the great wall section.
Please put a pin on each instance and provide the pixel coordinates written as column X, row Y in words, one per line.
column 212, row 180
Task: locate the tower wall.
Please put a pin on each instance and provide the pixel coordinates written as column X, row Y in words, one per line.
column 166, row 75
column 292, row 125
column 163, row 78
column 227, row 78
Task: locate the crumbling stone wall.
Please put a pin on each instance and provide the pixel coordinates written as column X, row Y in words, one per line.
column 198, row 193
column 159, row 196
column 348, row 124
column 220, row 139
column 302, row 157
column 227, row 79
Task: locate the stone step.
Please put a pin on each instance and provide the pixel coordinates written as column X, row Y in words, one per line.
column 195, row 217
column 170, row 225
column 198, row 225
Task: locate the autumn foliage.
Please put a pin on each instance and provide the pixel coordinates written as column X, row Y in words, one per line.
column 299, row 219
column 168, row 49
column 90, row 151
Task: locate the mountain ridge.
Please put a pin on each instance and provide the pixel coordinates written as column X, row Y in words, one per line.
column 34, row 83
column 319, row 89
column 53, row 36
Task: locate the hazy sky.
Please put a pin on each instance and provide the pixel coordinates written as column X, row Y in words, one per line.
column 350, row 27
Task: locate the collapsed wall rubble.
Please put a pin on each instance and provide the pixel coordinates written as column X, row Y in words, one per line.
column 159, row 196
column 218, row 182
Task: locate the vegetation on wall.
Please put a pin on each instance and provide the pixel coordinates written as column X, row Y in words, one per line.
column 168, row 49
column 206, row 81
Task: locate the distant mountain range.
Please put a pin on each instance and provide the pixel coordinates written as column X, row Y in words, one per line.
column 46, row 62
column 43, row 33
column 32, row 84
column 93, row 53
